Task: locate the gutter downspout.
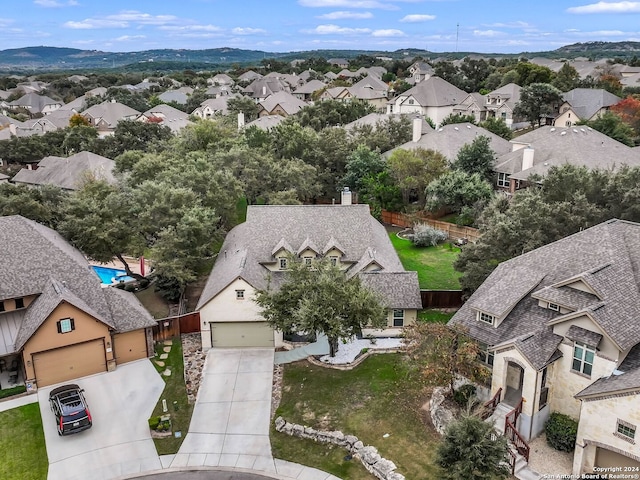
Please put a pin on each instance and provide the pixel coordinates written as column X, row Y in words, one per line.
column 536, row 398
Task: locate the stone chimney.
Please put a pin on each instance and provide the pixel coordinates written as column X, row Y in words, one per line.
column 240, row 120
column 417, row 129
column 345, row 198
column 527, row 158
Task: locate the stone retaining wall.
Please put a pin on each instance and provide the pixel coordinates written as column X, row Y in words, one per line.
column 368, row 455
column 358, row 360
column 441, row 417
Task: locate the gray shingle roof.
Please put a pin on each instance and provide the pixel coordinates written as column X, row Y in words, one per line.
column 554, row 146
column 68, row 173
column 625, row 379
column 579, row 334
column 540, row 348
column 435, row 92
column 397, row 289
column 448, row 140
column 251, row 244
column 586, row 102
column 566, row 296
column 615, row 243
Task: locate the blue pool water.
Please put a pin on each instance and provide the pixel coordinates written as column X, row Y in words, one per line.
column 111, row 275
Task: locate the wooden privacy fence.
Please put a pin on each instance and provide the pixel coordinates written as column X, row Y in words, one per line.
column 167, row 328
column 441, row 298
column 453, row 231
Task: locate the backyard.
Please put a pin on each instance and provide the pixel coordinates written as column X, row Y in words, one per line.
column 23, row 454
column 433, row 264
column 379, row 401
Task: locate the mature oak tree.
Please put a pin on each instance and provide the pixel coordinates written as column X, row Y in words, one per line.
column 321, row 298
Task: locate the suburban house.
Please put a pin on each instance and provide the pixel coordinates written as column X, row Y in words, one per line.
column 265, row 123
column 421, row 71
column 502, row 102
column 179, row 96
column 474, row 105
column 434, row 98
column 559, row 331
column 281, row 103
column 67, row 173
column 255, row 255
column 304, row 92
column 166, row 115
column 537, row 151
column 583, row 105
column 213, row 106
column 249, row 76
column 448, row 140
column 35, row 104
column 56, row 320
column 261, row 88
column 106, row 115
column 220, row 79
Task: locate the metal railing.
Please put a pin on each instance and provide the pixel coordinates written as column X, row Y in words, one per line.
column 512, row 434
column 490, row 407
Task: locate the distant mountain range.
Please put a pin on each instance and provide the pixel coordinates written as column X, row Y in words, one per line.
column 54, row 58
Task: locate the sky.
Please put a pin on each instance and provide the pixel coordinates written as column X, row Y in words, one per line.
column 484, row 26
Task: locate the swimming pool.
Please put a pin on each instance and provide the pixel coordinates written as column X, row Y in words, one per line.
column 109, row 276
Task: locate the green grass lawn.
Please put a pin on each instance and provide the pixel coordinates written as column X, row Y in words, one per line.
column 23, row 454
column 174, row 390
column 433, row 264
column 434, row 316
column 153, row 302
column 381, row 396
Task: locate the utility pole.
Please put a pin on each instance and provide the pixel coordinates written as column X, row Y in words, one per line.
column 457, row 34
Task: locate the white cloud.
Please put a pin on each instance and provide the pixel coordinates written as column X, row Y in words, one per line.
column 417, row 18
column 5, row 22
column 330, row 29
column 55, row 3
column 248, row 31
column 600, row 33
column 607, row 7
column 94, row 23
column 128, row 38
column 347, row 4
column 123, row 19
column 509, row 25
column 389, row 32
column 487, row 33
column 191, row 28
column 344, row 15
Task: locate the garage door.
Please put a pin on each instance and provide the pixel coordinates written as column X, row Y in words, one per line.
column 606, row 458
column 130, row 346
column 241, row 334
column 68, row 363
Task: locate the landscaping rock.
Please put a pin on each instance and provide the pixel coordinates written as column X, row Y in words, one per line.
column 380, row 467
column 167, row 373
column 168, row 342
column 164, row 356
column 194, row 359
column 166, row 349
column 159, row 363
column 441, row 417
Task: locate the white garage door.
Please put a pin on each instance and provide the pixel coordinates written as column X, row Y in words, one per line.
column 241, row 334
column 68, row 363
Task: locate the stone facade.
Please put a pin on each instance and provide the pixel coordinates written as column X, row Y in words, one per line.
column 368, row 455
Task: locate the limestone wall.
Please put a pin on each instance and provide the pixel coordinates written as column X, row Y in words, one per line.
column 368, row 455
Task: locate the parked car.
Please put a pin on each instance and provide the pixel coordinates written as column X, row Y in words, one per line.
column 70, row 408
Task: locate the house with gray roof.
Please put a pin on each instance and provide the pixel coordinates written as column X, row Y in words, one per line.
column 501, row 103
column 166, row 115
column 106, row 115
column 67, row 173
column 448, row 140
column 584, row 105
column 473, row 105
column 35, row 104
column 535, row 152
column 304, row 92
column 261, row 88
column 281, row 103
column 559, row 328
column 433, row 97
column 255, row 255
column 57, row 322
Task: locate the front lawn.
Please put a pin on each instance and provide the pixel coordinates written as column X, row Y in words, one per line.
column 23, row 453
column 381, row 396
column 433, row 264
column 434, row 316
column 174, row 390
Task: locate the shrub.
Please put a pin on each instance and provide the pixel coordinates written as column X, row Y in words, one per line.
column 462, row 395
column 427, row 236
column 561, row 432
column 154, row 422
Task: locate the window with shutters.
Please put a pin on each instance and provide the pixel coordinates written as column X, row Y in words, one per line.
column 66, row 325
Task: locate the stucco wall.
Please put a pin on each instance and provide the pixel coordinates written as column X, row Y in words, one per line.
column 47, row 336
column 499, row 379
column 598, row 422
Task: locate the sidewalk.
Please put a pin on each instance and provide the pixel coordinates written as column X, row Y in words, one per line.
column 18, row 402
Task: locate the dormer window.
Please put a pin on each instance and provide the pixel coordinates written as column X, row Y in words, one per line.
column 333, row 260
column 307, row 261
column 554, row 306
column 486, row 318
column 239, row 294
column 283, row 263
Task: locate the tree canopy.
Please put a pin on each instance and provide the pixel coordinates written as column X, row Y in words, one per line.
column 321, row 299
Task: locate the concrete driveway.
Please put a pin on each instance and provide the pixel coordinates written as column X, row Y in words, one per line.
column 230, row 423
column 119, row 443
